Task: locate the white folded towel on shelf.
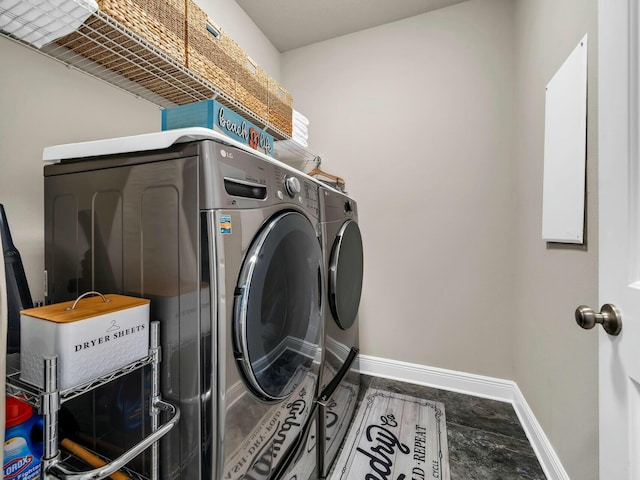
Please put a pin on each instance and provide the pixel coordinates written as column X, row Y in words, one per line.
column 300, row 141
column 300, row 118
column 39, row 22
column 300, row 130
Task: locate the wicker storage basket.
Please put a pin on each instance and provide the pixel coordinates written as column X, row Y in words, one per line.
column 251, row 90
column 210, row 51
column 161, row 22
column 280, row 107
column 214, row 55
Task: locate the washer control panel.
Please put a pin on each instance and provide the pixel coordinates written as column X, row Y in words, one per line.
column 242, row 180
column 311, row 194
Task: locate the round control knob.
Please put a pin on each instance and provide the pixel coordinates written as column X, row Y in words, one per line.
column 292, row 186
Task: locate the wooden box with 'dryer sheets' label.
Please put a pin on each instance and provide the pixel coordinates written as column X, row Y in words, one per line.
column 92, row 336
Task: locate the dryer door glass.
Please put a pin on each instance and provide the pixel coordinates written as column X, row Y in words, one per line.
column 345, row 275
column 277, row 313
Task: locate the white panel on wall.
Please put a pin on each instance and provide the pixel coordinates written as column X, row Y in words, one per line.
column 565, row 135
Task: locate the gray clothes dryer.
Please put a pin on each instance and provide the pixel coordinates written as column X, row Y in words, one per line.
column 225, row 244
column 340, row 377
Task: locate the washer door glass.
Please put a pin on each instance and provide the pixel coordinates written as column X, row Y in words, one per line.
column 277, row 314
column 345, row 275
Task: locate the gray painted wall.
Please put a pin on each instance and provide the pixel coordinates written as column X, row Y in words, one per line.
column 417, row 116
column 556, row 362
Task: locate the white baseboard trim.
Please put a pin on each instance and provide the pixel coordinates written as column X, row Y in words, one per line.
column 479, row 386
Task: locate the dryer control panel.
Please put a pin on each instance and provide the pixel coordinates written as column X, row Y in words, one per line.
column 297, row 188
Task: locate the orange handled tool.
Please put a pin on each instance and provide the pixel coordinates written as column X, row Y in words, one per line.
column 90, row 458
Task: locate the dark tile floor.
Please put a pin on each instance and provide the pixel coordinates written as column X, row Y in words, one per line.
column 485, row 438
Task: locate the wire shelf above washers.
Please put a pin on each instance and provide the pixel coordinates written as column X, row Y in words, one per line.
column 107, row 50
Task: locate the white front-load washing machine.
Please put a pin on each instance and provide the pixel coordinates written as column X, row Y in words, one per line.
column 226, row 245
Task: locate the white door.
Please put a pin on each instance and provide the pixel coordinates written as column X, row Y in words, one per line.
column 619, row 224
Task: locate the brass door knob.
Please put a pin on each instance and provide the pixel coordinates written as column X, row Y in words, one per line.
column 609, row 317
